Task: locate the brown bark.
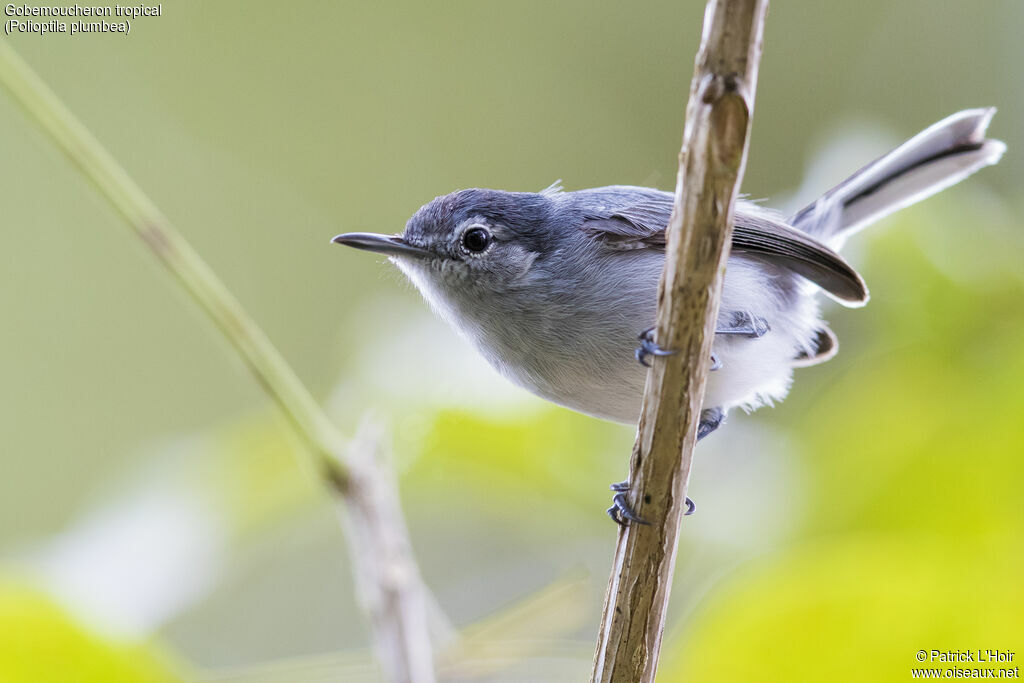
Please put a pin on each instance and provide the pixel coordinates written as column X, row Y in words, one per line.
column 711, row 165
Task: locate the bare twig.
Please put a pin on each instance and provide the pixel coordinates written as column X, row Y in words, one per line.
column 710, row 167
column 397, row 618
column 387, row 579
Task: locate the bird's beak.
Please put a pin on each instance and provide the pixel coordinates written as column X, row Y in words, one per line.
column 392, row 245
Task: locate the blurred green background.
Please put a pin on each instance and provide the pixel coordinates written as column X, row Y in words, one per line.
column 153, row 522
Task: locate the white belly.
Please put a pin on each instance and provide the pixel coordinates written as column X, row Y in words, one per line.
column 606, row 381
column 578, row 351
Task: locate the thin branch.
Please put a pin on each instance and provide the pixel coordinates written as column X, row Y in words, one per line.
column 388, row 582
column 156, row 231
column 711, row 165
column 402, row 626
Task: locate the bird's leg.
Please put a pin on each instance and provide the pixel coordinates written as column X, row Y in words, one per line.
column 648, row 347
column 620, row 511
column 746, row 324
column 623, row 514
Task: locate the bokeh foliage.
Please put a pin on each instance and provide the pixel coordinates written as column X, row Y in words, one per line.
column 39, row 642
column 914, row 536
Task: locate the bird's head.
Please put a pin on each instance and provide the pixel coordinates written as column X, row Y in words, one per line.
column 471, row 241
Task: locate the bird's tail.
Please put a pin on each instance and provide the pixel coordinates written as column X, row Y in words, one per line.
column 937, row 157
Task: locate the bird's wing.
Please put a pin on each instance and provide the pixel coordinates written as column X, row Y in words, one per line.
column 628, row 221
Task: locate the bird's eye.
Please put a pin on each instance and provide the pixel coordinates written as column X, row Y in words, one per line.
column 476, row 239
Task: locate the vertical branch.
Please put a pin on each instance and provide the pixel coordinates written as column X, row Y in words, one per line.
column 396, row 608
column 711, row 165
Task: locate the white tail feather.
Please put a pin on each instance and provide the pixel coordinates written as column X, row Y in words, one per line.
column 937, row 157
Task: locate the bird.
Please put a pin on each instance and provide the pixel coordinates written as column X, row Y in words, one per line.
column 558, row 289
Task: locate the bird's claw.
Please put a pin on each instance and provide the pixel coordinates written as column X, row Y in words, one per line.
column 745, row 324
column 648, row 347
column 621, row 512
column 710, row 420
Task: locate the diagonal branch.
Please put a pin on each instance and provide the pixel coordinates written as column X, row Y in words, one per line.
column 396, row 606
column 711, row 165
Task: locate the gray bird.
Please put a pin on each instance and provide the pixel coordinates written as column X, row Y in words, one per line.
column 554, row 287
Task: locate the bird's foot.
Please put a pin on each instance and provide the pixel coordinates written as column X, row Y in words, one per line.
column 621, row 511
column 746, row 324
column 622, row 514
column 648, row 347
column 710, row 420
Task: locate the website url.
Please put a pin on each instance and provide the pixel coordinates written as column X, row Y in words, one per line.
column 966, row 672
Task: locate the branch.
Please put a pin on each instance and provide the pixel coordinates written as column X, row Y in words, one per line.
column 710, row 168
column 404, row 629
column 388, row 582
